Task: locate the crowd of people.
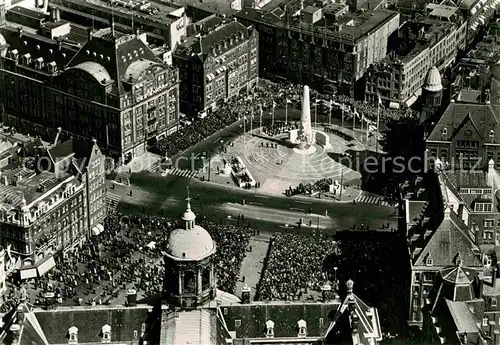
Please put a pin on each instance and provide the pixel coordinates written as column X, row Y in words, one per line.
column 373, row 262
column 128, row 255
column 266, row 97
column 293, row 268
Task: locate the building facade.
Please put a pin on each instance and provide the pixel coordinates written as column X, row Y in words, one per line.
column 113, row 88
column 217, row 64
column 53, row 199
column 423, row 44
column 319, row 46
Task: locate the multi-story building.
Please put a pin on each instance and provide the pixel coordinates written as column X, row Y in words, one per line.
column 467, row 135
column 319, row 46
column 52, row 199
column 191, row 301
column 216, row 64
column 422, row 45
column 463, row 307
column 163, row 22
column 436, row 234
column 110, row 87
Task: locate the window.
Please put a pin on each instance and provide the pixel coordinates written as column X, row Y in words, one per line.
column 485, row 321
column 237, row 323
column 136, row 335
column 493, row 302
column 73, row 335
column 321, row 322
column 225, row 311
column 428, row 262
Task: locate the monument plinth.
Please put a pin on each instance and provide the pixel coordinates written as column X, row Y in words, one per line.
column 304, row 137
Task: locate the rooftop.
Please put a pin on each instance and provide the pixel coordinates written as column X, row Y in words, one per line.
column 348, row 28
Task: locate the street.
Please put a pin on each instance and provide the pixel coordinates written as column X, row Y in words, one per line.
column 157, row 195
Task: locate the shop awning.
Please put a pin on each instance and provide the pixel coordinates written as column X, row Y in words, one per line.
column 28, row 273
column 409, row 102
column 96, row 230
column 394, row 105
column 46, row 265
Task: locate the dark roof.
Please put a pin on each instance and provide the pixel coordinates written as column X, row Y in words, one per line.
column 468, row 179
column 285, row 316
column 50, row 50
column 469, row 96
column 201, row 46
column 89, row 321
column 480, row 118
column 61, row 150
column 122, row 50
column 28, row 12
column 449, row 239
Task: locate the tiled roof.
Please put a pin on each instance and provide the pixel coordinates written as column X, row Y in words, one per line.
column 285, row 315
column 448, row 240
column 89, row 321
column 462, row 317
column 468, row 179
column 482, row 117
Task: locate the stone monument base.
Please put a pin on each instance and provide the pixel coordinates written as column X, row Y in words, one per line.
column 304, row 150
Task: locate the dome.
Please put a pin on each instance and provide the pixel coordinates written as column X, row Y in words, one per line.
column 188, row 215
column 433, row 80
column 191, row 244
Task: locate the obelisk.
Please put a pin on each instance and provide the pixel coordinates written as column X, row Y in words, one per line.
column 305, row 136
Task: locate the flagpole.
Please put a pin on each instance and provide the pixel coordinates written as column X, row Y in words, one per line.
column 330, row 113
column 261, row 118
column 343, row 115
column 367, row 131
column 286, row 112
column 272, row 120
column 244, row 131
column 316, row 112
column 251, row 122
column 354, row 119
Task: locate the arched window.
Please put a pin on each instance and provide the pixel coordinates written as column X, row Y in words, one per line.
column 493, row 302
column 189, row 282
column 205, row 278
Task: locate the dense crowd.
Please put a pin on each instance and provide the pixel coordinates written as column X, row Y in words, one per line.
column 128, row 254
column 294, row 267
column 374, row 263
column 266, row 96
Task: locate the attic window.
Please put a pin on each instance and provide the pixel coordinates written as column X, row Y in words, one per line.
column 429, row 262
column 269, row 329
column 73, row 335
column 493, row 302
column 485, row 321
column 27, row 58
column 444, row 131
column 237, row 323
column 492, row 134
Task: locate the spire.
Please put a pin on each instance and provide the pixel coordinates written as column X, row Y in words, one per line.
column 188, row 199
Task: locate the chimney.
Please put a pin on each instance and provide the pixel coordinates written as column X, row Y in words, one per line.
column 491, row 174
column 90, row 34
column 131, row 297
column 59, row 130
column 20, row 32
column 58, row 14
column 245, row 294
column 137, row 33
column 5, row 181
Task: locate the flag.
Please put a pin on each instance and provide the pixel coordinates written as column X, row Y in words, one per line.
column 288, row 101
column 379, row 99
column 274, row 104
column 261, row 111
column 331, row 103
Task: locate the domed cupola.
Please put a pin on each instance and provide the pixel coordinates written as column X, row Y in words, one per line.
column 189, row 268
column 433, row 80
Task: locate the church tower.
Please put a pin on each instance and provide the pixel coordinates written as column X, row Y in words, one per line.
column 432, row 94
column 190, row 279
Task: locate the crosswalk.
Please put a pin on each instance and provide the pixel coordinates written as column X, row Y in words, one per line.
column 112, row 200
column 372, row 199
column 180, row 172
column 154, row 167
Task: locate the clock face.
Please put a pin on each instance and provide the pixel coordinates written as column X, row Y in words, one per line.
column 468, row 132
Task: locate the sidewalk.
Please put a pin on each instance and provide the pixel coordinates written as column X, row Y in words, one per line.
column 252, row 265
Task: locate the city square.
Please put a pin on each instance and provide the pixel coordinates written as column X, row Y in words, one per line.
column 248, row 172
